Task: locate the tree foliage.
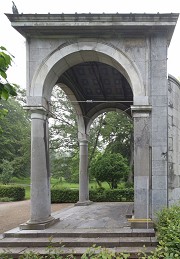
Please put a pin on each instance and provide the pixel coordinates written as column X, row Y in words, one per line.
column 116, row 133
column 64, row 144
column 63, row 128
column 15, row 137
column 111, row 168
column 111, row 132
column 6, row 172
column 14, row 125
column 6, row 89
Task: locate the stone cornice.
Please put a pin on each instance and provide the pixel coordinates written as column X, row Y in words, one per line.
column 91, row 25
column 141, row 110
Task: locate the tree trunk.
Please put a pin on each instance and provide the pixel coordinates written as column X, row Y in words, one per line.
column 96, row 140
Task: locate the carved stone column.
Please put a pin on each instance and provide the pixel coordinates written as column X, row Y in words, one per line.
column 142, row 174
column 83, row 174
column 40, row 172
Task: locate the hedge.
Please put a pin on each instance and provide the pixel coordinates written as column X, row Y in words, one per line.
column 64, row 195
column 99, row 195
column 16, row 193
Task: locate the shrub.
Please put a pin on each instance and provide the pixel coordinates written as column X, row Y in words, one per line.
column 110, row 167
column 98, row 195
column 64, row 195
column 168, row 227
column 17, row 193
column 98, row 252
column 93, row 252
column 168, row 231
column 6, row 171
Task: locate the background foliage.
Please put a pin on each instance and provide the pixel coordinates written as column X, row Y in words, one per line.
column 99, row 195
column 110, row 167
column 6, row 89
column 15, row 138
column 110, row 133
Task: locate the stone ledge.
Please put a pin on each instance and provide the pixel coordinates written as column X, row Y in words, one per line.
column 83, row 203
column 141, row 223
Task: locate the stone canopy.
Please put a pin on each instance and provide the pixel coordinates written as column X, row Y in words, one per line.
column 93, row 25
column 93, row 80
column 105, row 62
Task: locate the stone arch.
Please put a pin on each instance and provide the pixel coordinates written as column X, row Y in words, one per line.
column 101, row 109
column 77, row 109
column 47, row 75
column 70, row 54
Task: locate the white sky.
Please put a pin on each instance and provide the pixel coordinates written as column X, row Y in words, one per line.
column 15, row 43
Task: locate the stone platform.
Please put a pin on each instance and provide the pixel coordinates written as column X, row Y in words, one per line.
column 80, row 227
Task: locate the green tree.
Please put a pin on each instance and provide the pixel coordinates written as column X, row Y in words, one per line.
column 14, row 124
column 96, row 142
column 15, row 137
column 110, row 168
column 6, row 89
column 63, row 137
column 63, row 129
column 111, row 131
column 6, row 171
column 116, row 133
column 61, row 166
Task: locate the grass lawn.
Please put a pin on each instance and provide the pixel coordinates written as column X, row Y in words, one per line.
column 62, row 184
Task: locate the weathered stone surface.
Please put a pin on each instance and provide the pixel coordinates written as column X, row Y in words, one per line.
column 173, row 141
column 135, row 47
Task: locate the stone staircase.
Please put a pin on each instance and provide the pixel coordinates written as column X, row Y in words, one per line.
column 77, row 241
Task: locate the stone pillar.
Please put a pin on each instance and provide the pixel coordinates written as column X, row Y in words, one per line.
column 83, row 174
column 159, row 101
column 142, row 174
column 40, row 215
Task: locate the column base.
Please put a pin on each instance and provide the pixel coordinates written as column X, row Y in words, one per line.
column 39, row 225
column 83, row 203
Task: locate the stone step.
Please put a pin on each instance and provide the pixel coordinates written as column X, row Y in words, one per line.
column 79, row 242
column 86, row 233
column 134, row 252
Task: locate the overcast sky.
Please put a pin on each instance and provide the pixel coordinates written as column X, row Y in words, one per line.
column 15, row 43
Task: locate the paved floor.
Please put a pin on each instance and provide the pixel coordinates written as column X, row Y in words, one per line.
column 12, row 214
column 97, row 215
column 102, row 215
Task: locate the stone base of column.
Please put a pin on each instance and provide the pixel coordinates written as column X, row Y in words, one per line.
column 39, row 225
column 83, row 203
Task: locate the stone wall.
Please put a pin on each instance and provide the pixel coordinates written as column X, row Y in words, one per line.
column 135, row 49
column 173, row 140
column 159, row 137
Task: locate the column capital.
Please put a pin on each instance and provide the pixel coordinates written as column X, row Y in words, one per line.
column 40, row 110
column 83, row 141
column 83, row 137
column 37, row 112
column 35, row 109
column 141, row 110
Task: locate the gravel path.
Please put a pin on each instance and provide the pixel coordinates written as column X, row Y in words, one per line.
column 14, row 213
